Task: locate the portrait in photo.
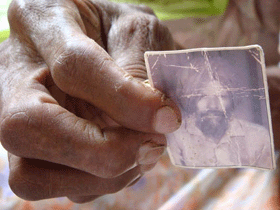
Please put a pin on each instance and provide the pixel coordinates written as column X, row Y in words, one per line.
column 223, row 98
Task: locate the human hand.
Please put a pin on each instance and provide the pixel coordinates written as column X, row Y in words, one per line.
column 76, row 117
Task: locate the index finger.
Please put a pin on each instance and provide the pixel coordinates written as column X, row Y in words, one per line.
column 33, row 125
column 83, row 69
column 33, row 179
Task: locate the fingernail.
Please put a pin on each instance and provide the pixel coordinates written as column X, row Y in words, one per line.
column 166, row 120
column 152, row 156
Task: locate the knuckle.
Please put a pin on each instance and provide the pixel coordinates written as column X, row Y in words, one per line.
column 21, row 13
column 16, row 129
column 156, row 35
column 160, row 36
column 15, row 9
column 64, row 59
column 68, row 61
column 12, row 129
column 64, row 66
column 143, row 22
column 144, row 29
column 23, row 182
column 25, row 189
column 146, row 9
column 131, row 24
column 14, row 14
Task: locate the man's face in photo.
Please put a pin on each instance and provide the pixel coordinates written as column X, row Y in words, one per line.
column 213, row 109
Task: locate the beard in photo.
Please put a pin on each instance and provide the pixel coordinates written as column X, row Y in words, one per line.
column 212, row 123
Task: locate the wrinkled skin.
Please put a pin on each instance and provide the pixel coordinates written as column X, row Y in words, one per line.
column 76, row 117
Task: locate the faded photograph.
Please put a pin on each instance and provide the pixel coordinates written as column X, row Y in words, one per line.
column 223, row 101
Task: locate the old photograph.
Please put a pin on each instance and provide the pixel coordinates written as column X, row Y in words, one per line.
column 223, row 97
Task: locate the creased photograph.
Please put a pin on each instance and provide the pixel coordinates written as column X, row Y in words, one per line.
column 223, row 98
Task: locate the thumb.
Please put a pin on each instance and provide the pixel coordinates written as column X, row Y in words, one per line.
column 128, row 39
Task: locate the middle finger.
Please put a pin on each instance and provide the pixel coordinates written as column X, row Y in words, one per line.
column 33, row 179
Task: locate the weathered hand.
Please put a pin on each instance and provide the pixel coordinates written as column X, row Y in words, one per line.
column 76, row 117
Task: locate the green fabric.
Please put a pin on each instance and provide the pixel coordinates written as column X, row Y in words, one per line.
column 164, row 9
column 4, row 35
column 176, row 9
column 4, row 25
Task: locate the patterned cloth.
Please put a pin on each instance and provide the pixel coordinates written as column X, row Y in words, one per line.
column 168, row 187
